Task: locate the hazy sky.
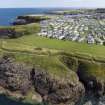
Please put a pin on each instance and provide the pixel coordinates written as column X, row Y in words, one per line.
column 52, row 3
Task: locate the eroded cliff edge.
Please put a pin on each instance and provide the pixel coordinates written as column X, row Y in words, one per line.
column 16, row 76
column 19, row 78
column 91, row 72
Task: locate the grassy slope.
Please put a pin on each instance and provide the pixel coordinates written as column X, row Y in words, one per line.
column 31, row 55
column 67, row 46
column 44, row 52
column 45, row 58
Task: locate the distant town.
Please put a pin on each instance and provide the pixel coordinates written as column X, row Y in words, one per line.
column 84, row 26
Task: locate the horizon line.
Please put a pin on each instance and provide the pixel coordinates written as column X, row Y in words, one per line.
column 55, row 7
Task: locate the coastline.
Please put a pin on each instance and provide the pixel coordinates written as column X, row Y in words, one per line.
column 55, row 67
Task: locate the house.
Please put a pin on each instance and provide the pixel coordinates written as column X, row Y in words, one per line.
column 90, row 39
column 71, row 27
column 61, row 37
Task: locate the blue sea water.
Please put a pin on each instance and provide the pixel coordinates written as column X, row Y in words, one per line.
column 7, row 15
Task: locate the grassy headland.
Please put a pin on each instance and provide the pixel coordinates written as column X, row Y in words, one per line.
column 48, row 54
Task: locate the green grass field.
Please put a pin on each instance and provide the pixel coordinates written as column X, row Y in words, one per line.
column 33, row 41
column 46, row 53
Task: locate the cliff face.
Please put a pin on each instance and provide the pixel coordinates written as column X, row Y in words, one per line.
column 93, row 76
column 90, row 72
column 57, row 91
column 17, row 76
column 14, row 76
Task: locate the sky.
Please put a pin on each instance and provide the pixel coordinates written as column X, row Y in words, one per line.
column 52, row 3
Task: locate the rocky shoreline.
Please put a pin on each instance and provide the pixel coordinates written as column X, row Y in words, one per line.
column 28, row 19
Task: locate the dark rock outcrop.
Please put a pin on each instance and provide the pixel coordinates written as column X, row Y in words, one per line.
column 19, row 22
column 92, row 75
column 22, row 20
column 17, row 76
column 90, row 72
column 10, row 33
column 57, row 91
column 6, row 32
column 14, row 76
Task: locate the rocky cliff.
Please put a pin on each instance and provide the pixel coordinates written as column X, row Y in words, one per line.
column 90, row 72
column 22, row 20
column 16, row 76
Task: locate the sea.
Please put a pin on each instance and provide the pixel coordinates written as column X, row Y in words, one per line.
column 8, row 15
